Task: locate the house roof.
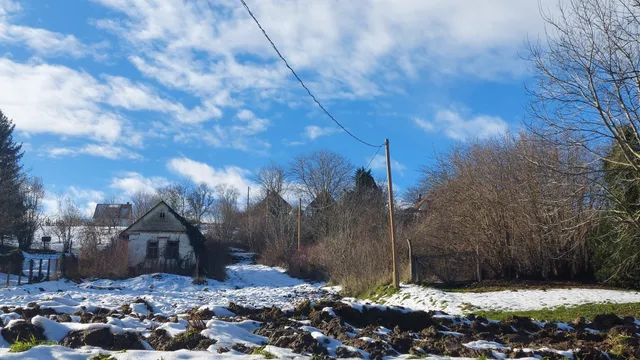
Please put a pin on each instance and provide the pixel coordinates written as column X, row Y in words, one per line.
column 195, row 236
column 322, row 201
column 421, row 205
column 113, row 211
column 275, row 201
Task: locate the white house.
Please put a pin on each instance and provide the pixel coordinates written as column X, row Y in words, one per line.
column 162, row 241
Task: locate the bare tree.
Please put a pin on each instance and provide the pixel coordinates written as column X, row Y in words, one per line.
column 200, row 199
column 33, row 195
column 587, row 95
column 271, row 178
column 176, row 195
column 321, row 172
column 142, row 202
column 68, row 219
column 225, row 212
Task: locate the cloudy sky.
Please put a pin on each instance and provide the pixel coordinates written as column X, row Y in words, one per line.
column 113, row 96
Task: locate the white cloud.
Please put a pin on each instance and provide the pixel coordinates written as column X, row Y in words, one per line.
column 100, row 150
column 200, row 172
column 379, row 162
column 85, row 199
column 60, row 101
column 241, row 134
column 68, row 102
column 457, row 127
column 132, row 182
column 125, row 94
column 313, row 132
column 41, row 41
column 343, row 49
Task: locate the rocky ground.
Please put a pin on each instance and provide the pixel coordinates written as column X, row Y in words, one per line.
column 326, row 328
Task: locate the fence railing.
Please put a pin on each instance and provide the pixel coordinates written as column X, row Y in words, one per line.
column 32, row 268
column 458, row 267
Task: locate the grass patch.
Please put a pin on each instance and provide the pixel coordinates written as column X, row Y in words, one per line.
column 25, row 345
column 519, row 285
column 261, row 351
column 102, row 357
column 378, row 293
column 564, row 314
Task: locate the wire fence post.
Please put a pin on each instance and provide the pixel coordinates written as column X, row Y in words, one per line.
column 48, row 269
column 30, row 271
column 8, row 277
column 411, row 263
column 299, row 222
column 40, row 271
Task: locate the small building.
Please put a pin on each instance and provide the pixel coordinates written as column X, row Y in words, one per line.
column 162, row 241
column 274, row 205
column 323, row 202
column 113, row 215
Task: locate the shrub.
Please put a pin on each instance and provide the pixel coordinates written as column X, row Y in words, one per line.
column 302, row 265
column 214, row 259
column 110, row 262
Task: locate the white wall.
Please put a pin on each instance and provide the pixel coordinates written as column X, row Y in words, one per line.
column 138, row 246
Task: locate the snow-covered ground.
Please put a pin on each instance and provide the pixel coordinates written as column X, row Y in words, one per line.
column 455, row 303
column 248, row 284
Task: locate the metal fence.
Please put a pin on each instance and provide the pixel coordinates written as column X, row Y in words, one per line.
column 449, row 268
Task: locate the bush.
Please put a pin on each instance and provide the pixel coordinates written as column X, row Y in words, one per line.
column 302, row 265
column 110, row 262
column 214, row 259
column 12, row 262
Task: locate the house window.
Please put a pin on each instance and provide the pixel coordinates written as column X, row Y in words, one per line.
column 162, row 215
column 172, row 251
column 152, row 250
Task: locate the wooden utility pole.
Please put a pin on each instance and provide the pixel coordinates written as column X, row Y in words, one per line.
column 299, row 222
column 391, row 223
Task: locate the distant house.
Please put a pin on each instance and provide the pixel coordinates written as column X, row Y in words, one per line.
column 113, row 214
column 420, row 207
column 274, row 205
column 162, row 241
column 322, row 202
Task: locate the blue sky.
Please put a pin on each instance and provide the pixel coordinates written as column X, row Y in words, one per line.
column 114, row 96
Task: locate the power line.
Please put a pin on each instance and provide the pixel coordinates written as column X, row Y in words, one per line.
column 374, row 157
column 300, row 80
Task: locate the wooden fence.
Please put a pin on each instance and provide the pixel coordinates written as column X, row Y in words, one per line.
column 448, row 268
column 19, row 271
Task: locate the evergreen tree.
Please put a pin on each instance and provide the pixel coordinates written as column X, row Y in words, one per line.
column 617, row 243
column 11, row 204
column 364, row 181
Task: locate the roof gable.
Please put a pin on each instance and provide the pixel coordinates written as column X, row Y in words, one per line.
column 161, row 218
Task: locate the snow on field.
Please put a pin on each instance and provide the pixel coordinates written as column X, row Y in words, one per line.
column 247, row 284
column 59, row 352
column 422, row 298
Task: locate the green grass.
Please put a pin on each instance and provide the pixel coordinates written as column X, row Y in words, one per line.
column 25, row 345
column 102, row 357
column 564, row 314
column 378, row 293
column 261, row 351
